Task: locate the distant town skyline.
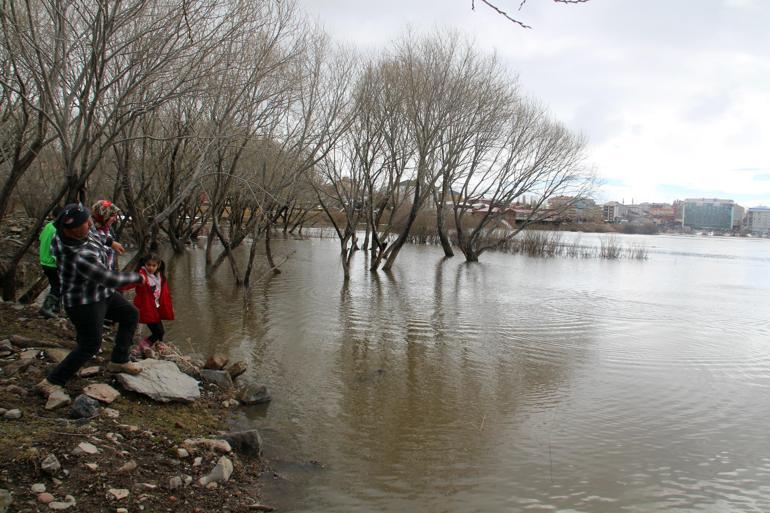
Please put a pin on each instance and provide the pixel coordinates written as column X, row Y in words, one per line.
column 672, row 96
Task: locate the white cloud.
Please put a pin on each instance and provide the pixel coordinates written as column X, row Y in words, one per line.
column 673, row 96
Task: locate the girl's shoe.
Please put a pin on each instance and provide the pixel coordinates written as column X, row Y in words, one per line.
column 138, row 350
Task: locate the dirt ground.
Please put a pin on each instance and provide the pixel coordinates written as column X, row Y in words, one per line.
column 142, row 431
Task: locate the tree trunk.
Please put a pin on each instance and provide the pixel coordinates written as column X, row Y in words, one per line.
column 269, row 251
column 445, row 244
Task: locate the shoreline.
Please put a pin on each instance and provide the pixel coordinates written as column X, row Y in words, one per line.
column 135, row 454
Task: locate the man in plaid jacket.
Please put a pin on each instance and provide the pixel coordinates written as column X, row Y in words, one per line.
column 88, row 294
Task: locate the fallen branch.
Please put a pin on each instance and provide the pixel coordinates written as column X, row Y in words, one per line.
column 31, row 343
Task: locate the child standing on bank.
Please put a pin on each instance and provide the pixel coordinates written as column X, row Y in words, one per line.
column 153, row 300
column 52, row 304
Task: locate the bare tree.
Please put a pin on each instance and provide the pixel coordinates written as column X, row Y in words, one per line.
column 432, row 73
column 533, row 155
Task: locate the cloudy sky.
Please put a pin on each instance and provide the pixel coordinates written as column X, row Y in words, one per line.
column 673, row 95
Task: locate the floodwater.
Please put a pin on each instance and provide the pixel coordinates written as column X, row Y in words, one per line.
column 515, row 384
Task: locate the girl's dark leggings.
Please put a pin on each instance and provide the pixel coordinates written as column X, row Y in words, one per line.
column 156, row 332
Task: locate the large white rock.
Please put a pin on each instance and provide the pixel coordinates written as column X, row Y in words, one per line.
column 162, row 381
column 220, row 473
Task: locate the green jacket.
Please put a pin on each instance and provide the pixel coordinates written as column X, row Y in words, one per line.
column 46, row 236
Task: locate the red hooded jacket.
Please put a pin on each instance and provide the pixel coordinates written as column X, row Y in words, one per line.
column 145, row 302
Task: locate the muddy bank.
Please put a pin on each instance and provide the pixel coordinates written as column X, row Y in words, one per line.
column 116, row 450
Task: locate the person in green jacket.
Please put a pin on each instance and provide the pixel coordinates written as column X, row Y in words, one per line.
column 52, row 304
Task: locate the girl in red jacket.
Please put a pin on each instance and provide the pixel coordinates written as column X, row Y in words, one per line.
column 153, row 300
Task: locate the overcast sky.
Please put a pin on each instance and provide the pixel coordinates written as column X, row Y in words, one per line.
column 673, row 95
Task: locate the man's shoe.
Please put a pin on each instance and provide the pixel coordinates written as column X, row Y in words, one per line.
column 50, row 307
column 124, row 368
column 46, row 388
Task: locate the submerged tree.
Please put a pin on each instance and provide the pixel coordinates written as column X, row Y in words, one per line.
column 532, row 156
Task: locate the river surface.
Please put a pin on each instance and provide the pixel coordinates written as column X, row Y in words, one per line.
column 514, row 384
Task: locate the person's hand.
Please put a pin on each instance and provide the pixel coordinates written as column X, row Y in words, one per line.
column 117, row 246
column 144, row 281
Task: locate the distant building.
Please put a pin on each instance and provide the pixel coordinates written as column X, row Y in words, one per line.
column 661, row 214
column 572, row 209
column 758, row 221
column 709, row 214
column 614, row 212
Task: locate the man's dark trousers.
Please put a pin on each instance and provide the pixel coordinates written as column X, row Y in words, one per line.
column 89, row 321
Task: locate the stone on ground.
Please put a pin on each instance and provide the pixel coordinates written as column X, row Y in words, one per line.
column 237, row 369
column 220, row 473
column 245, row 442
column 162, row 381
column 84, row 407
column 57, row 399
column 50, row 465
column 101, row 392
column 216, row 362
column 220, row 378
column 254, row 394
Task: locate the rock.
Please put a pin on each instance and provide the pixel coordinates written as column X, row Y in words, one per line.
column 50, row 465
column 237, row 369
column 216, row 362
column 85, row 448
column 111, row 413
column 16, row 390
column 87, row 372
column 116, row 438
column 220, row 473
column 69, row 501
column 182, row 453
column 2, row 411
column 121, row 510
column 254, row 394
column 175, row 483
column 211, row 444
column 45, row 498
column 129, row 466
column 17, row 367
column 37, row 488
column 84, row 407
column 57, row 399
column 220, row 378
column 147, row 486
column 6, row 499
column 12, row 414
column 93, row 467
column 245, row 442
column 57, row 355
column 162, row 381
column 101, row 392
column 260, row 507
column 61, row 505
column 5, row 345
column 197, row 462
column 29, row 354
column 118, row 493
column 187, row 480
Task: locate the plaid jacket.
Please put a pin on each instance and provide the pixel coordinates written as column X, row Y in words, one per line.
column 83, row 272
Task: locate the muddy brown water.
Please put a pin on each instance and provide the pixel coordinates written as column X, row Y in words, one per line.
column 515, row 384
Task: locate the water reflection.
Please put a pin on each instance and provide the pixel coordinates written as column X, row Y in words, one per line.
column 509, row 385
